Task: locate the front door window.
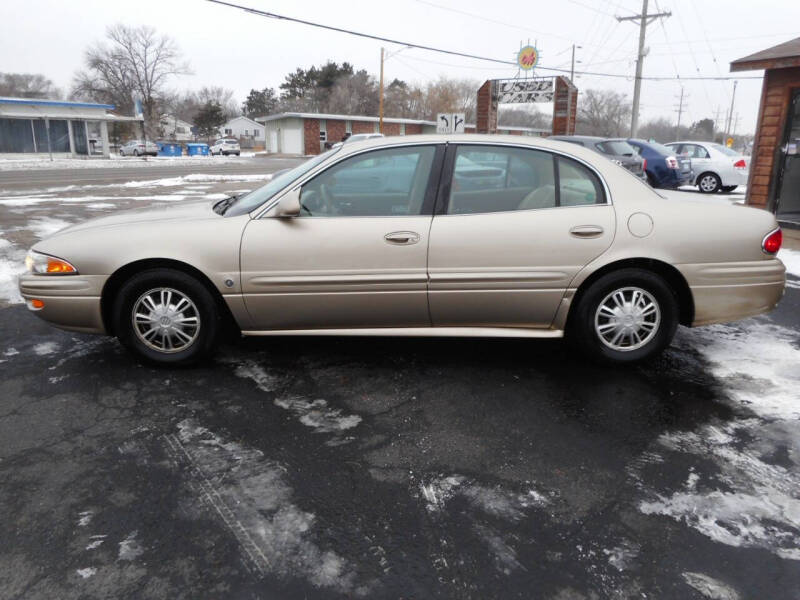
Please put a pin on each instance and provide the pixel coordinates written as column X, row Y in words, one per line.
column 382, row 183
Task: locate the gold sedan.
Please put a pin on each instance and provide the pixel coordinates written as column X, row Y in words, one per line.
column 417, row 236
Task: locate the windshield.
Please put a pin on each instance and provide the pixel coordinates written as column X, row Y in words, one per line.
column 617, row 148
column 256, row 198
column 724, row 149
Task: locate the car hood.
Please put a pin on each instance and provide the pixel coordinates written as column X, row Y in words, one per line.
column 194, row 209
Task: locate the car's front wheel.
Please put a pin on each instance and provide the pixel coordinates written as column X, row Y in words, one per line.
column 166, row 317
column 709, row 183
column 626, row 316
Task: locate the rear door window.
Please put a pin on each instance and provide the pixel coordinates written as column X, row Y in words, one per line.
column 497, row 179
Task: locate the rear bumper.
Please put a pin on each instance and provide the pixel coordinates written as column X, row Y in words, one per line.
column 726, row 292
column 70, row 302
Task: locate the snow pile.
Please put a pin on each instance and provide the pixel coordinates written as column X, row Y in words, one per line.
column 11, row 266
column 791, row 259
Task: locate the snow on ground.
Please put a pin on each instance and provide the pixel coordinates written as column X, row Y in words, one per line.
column 252, row 495
column 791, row 259
column 750, row 501
column 11, row 266
column 114, row 162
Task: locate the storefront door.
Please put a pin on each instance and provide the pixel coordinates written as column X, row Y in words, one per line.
column 788, row 196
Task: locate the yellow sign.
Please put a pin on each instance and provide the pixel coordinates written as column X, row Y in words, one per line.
column 527, row 58
column 729, row 142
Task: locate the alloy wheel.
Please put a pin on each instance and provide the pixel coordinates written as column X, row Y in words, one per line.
column 627, row 319
column 166, row 320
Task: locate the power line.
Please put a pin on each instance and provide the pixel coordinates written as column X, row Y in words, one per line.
column 490, row 20
column 270, row 15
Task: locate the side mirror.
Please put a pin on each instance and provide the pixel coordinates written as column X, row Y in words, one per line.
column 289, row 206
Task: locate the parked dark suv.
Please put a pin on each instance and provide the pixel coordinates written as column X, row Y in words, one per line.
column 664, row 168
column 619, row 151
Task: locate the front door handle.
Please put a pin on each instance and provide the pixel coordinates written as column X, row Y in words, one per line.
column 402, row 237
column 586, row 231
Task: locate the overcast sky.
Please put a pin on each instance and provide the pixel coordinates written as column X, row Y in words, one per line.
column 240, row 51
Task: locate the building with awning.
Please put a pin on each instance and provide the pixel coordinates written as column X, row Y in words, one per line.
column 775, row 165
column 54, row 128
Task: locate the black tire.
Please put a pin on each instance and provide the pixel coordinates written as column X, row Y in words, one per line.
column 713, row 185
column 727, row 189
column 581, row 331
column 207, row 310
column 136, row 153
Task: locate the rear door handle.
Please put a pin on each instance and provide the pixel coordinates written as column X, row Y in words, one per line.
column 402, row 237
column 586, row 231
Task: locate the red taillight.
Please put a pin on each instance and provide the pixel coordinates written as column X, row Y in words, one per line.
column 772, row 242
column 740, row 164
column 672, row 162
column 644, row 164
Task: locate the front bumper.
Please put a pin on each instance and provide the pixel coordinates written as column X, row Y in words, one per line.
column 71, row 302
column 725, row 292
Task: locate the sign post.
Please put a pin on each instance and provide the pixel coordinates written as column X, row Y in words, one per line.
column 450, row 123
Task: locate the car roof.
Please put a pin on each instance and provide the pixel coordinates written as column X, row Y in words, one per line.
column 582, row 138
column 470, row 138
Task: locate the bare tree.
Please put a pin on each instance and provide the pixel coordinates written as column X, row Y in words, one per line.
column 222, row 96
column 523, row 117
column 663, row 131
column 356, row 94
column 603, row 112
column 134, row 61
column 28, row 85
column 450, row 95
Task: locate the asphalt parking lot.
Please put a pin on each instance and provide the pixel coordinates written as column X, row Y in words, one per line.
column 380, row 468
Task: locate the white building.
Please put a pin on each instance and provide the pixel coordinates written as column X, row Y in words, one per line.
column 176, row 129
column 245, row 130
column 54, row 128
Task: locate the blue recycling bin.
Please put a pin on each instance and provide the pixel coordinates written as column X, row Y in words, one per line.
column 197, row 149
column 169, row 149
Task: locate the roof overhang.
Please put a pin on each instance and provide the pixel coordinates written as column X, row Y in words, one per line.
column 782, row 56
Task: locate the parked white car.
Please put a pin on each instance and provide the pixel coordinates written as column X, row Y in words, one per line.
column 225, row 146
column 138, row 148
column 716, row 167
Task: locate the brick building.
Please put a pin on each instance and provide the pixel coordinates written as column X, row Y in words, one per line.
column 307, row 133
column 774, row 182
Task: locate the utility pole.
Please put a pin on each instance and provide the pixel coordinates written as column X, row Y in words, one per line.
column 572, row 69
column 716, row 119
column 380, row 98
column 730, row 114
column 644, row 20
column 680, row 112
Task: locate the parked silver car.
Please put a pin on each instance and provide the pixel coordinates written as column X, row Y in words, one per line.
column 138, row 148
column 466, row 235
column 225, row 147
column 716, row 167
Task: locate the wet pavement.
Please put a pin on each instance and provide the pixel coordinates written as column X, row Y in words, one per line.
column 395, row 468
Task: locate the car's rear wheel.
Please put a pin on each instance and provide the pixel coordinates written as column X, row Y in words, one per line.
column 136, row 153
column 626, row 316
column 166, row 317
column 729, row 188
column 709, row 183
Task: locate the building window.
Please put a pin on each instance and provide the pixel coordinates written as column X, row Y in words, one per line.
column 402, row 128
column 245, row 133
column 348, row 127
column 323, row 136
column 228, row 132
column 256, row 133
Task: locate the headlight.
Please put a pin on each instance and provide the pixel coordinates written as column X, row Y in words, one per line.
column 42, row 264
